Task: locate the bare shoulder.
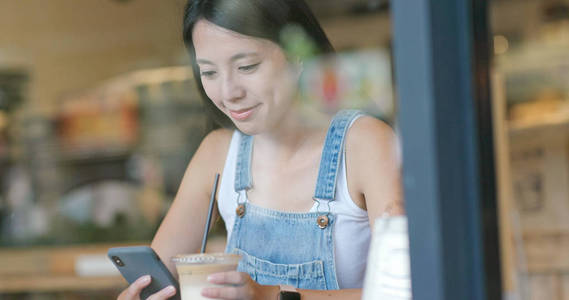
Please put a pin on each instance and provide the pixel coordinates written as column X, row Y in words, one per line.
column 216, row 139
column 371, row 153
column 208, row 160
column 213, row 149
column 368, row 131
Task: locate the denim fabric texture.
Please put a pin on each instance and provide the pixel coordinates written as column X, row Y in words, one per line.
column 243, row 169
column 332, row 154
column 283, row 247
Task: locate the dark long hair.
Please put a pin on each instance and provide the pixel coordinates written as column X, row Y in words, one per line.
column 265, row 19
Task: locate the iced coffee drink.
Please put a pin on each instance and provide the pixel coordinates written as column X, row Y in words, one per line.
column 193, row 270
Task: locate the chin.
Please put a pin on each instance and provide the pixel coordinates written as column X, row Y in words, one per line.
column 252, row 126
column 248, row 129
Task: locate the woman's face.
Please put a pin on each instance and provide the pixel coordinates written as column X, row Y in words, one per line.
column 249, row 79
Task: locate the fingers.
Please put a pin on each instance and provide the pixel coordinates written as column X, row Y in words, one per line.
column 233, row 293
column 164, row 293
column 226, row 278
column 133, row 291
column 237, row 286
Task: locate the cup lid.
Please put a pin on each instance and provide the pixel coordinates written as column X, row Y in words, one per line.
column 206, row 258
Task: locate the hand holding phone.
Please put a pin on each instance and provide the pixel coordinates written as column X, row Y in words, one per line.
column 137, row 261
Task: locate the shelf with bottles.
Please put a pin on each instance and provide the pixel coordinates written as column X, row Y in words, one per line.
column 531, row 102
column 553, row 123
column 109, row 162
column 535, row 75
column 135, row 132
column 535, row 95
column 151, row 113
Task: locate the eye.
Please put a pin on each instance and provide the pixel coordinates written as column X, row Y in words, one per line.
column 249, row 68
column 208, row 74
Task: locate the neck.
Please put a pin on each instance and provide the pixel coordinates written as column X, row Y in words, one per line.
column 288, row 139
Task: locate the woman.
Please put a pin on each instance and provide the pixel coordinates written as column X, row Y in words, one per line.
column 285, row 231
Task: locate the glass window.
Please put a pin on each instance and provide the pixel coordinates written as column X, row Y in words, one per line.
column 530, row 70
column 100, row 116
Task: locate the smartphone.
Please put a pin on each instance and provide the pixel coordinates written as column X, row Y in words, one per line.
column 136, row 261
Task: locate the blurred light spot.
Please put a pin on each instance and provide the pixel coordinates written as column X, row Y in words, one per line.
column 297, row 42
column 501, row 44
column 349, row 80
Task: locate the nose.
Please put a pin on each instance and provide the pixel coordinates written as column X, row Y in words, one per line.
column 231, row 89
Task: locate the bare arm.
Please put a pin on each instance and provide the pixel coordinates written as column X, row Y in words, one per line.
column 374, row 167
column 182, row 228
column 345, row 294
column 242, row 287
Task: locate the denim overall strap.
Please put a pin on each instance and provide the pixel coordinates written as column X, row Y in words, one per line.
column 243, row 169
column 332, row 154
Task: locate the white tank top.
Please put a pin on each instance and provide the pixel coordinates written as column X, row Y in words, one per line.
column 351, row 232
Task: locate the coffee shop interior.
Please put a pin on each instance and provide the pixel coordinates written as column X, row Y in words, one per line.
column 99, row 117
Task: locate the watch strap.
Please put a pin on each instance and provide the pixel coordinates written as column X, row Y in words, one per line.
column 288, row 292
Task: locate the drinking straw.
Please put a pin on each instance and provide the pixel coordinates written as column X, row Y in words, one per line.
column 209, row 212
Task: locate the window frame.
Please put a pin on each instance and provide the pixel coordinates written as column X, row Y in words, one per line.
column 442, row 57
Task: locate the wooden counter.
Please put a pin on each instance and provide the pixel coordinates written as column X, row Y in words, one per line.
column 51, row 269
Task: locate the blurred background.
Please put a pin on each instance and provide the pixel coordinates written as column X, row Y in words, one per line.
column 99, row 117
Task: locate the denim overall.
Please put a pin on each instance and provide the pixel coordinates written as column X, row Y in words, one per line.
column 283, row 247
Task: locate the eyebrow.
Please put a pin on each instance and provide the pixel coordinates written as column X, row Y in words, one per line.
column 233, row 58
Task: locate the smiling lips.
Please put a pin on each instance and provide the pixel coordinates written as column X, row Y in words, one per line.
column 242, row 114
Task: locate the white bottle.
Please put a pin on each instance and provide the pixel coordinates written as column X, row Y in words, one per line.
column 388, row 275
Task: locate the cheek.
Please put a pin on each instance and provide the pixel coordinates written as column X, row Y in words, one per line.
column 267, row 84
column 282, row 87
column 212, row 92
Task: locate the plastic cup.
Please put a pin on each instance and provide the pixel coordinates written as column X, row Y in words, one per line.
column 193, row 270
